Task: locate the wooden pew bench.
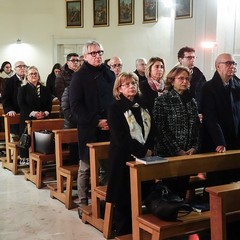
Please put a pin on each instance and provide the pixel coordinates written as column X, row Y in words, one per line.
column 11, row 160
column 224, row 200
column 66, row 175
column 176, row 166
column 36, row 159
column 91, row 214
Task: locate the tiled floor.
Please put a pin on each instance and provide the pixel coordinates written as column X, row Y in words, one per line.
column 29, row 213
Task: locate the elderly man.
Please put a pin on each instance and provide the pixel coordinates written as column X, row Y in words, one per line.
column 140, row 69
column 221, row 113
column 115, row 64
column 90, row 97
column 9, row 96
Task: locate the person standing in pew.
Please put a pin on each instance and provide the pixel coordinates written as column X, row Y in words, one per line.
column 221, row 115
column 9, row 95
column 176, row 119
column 90, row 96
column 131, row 133
column 34, row 101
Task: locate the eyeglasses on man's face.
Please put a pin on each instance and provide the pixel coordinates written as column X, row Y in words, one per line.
column 119, row 65
column 74, row 60
column 21, row 66
column 94, row 53
column 190, row 57
column 229, row 63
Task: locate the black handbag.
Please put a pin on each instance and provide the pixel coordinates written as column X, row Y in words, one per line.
column 165, row 204
column 44, row 142
column 25, row 140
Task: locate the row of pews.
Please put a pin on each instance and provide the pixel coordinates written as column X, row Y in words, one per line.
column 224, row 203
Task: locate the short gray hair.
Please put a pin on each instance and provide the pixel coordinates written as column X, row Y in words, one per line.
column 90, row 43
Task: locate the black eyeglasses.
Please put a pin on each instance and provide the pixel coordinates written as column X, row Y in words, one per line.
column 190, row 57
column 21, row 66
column 74, row 60
column 94, row 54
column 116, row 65
column 229, row 63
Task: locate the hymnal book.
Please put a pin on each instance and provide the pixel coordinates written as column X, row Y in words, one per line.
column 200, row 207
column 151, row 160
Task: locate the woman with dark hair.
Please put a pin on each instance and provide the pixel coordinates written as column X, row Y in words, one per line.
column 154, row 85
column 6, row 70
column 177, row 123
column 50, row 83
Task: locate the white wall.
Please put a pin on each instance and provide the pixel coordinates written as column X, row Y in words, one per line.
column 38, row 22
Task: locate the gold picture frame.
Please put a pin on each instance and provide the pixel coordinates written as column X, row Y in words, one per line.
column 125, row 12
column 100, row 13
column 74, row 13
column 150, row 11
column 184, row 9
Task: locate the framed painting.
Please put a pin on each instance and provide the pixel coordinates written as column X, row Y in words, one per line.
column 100, row 13
column 125, row 12
column 184, row 9
column 74, row 13
column 150, row 11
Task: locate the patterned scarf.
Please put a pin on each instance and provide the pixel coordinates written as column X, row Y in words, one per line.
column 135, row 128
column 157, row 86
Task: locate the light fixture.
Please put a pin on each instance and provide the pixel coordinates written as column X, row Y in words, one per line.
column 209, row 45
column 19, row 41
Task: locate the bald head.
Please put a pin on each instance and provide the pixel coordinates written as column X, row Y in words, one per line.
column 226, row 66
column 115, row 64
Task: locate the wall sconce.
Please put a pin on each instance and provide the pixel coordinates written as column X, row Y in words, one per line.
column 19, row 41
column 210, row 45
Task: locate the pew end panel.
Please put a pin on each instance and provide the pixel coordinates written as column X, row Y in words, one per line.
column 66, row 175
column 12, row 150
column 91, row 214
column 36, row 159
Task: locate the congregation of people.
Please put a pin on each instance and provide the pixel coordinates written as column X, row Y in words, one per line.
column 142, row 113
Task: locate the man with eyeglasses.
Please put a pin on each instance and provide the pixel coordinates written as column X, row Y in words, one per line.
column 186, row 57
column 10, row 92
column 64, row 77
column 221, row 114
column 116, row 65
column 90, row 97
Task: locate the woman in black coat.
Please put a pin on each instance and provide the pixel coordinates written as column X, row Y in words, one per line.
column 154, row 85
column 130, row 134
column 34, row 101
column 50, row 83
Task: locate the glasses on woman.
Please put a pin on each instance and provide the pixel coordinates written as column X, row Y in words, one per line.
column 127, row 85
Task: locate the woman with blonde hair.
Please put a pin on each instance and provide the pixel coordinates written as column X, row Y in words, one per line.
column 130, row 134
column 34, row 101
column 154, row 85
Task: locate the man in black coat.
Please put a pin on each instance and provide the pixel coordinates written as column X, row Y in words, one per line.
column 90, row 97
column 221, row 114
column 10, row 92
column 186, row 57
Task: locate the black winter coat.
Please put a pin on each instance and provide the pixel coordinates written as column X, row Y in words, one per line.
column 121, row 147
column 221, row 121
column 90, row 97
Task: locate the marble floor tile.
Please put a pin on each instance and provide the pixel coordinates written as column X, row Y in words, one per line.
column 29, row 213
